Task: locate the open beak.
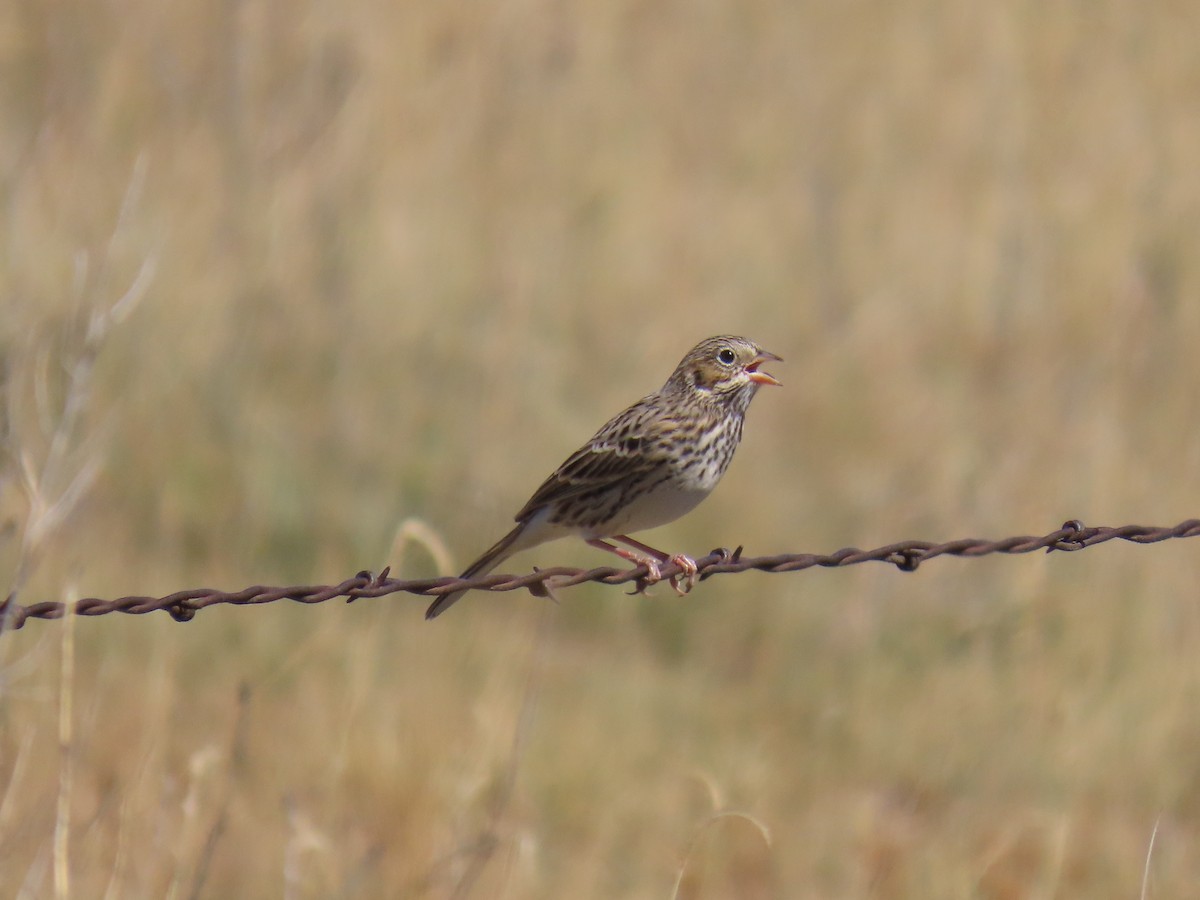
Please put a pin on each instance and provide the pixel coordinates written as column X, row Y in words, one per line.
column 762, row 377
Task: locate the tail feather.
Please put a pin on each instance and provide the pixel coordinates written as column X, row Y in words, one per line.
column 498, row 553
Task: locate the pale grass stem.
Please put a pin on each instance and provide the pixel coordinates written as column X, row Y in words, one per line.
column 52, row 490
column 422, row 534
column 714, row 819
column 149, row 774
column 360, row 681
column 304, row 839
column 66, row 771
column 200, row 764
column 204, row 761
column 7, row 802
column 117, row 874
column 1149, row 855
column 481, row 847
column 1057, row 858
column 1055, row 841
column 35, row 876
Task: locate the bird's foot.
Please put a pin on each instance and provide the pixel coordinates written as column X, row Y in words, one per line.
column 653, row 575
column 643, row 558
column 689, row 573
column 653, row 572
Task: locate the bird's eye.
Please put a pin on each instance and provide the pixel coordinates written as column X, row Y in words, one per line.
column 726, row 356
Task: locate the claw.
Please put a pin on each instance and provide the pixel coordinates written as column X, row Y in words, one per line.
column 653, row 576
column 689, row 572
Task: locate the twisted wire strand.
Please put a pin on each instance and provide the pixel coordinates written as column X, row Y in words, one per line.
column 905, row 555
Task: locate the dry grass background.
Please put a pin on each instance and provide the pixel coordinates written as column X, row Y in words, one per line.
column 407, row 256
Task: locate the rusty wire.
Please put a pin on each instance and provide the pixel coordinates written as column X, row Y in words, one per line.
column 905, row 555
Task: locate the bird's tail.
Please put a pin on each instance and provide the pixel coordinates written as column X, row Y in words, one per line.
column 499, row 552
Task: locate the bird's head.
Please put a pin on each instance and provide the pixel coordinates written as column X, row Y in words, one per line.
column 723, row 369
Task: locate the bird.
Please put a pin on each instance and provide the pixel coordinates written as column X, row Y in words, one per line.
column 647, row 466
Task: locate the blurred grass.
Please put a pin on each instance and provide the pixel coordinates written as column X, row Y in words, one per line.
column 408, row 256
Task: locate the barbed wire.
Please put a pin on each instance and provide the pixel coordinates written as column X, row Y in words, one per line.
column 905, row 555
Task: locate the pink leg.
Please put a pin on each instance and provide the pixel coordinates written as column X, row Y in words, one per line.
column 652, row 573
column 638, row 545
column 684, row 562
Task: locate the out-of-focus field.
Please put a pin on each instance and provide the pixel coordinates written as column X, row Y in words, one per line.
column 399, row 259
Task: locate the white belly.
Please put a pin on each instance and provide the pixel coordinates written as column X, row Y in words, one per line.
column 664, row 505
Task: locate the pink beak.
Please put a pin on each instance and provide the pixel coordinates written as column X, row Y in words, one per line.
column 762, row 377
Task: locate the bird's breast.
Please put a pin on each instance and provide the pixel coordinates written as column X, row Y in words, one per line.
column 702, row 461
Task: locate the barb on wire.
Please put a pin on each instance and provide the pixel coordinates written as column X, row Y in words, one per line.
column 905, row 555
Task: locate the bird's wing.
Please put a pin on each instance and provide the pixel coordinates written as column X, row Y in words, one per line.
column 627, row 445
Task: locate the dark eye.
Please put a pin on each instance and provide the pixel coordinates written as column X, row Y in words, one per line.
column 726, row 356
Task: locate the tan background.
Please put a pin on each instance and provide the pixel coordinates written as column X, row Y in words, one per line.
column 399, row 259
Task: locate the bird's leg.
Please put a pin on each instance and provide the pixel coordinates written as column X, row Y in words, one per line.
column 684, row 562
column 653, row 576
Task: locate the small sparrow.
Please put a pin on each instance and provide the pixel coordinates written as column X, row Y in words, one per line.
column 646, row 467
